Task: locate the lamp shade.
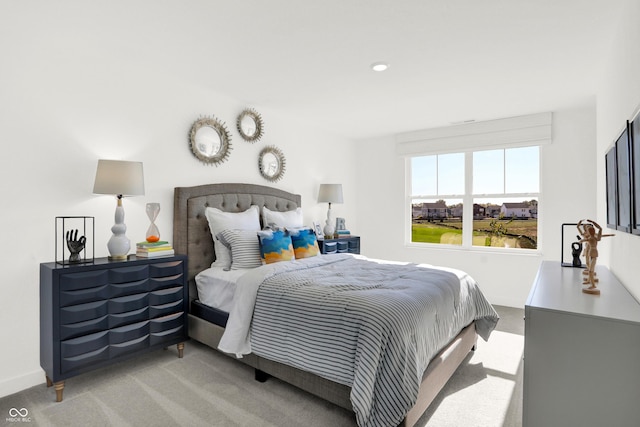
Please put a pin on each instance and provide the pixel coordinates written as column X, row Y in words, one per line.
column 119, row 177
column 330, row 193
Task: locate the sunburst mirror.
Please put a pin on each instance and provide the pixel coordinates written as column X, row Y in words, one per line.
column 271, row 163
column 250, row 125
column 209, row 140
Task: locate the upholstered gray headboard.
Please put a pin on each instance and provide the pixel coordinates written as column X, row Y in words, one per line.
column 191, row 235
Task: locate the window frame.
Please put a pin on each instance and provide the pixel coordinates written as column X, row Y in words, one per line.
column 522, row 131
column 467, row 206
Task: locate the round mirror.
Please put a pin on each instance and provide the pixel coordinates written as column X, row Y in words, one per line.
column 271, row 163
column 210, row 141
column 250, row 125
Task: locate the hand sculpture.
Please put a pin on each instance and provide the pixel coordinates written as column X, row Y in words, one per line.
column 75, row 245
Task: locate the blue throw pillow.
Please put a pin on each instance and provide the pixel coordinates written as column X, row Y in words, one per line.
column 304, row 241
column 275, row 246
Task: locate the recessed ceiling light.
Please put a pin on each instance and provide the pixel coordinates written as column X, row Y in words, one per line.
column 379, row 66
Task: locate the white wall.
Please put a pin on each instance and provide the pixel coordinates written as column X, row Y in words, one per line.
column 618, row 98
column 568, row 195
column 60, row 114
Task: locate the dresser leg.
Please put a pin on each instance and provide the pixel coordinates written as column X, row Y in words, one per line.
column 59, row 386
column 180, row 350
column 49, row 382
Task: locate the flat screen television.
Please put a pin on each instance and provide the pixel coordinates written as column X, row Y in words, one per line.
column 623, row 170
column 612, row 188
column 634, row 132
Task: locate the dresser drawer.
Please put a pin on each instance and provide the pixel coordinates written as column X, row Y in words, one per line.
column 168, row 327
column 354, row 246
column 167, row 323
column 330, row 247
column 125, row 318
column 128, row 303
column 129, row 332
column 166, row 269
column 165, row 309
column 165, row 296
column 169, row 334
column 128, row 274
column 82, row 312
column 73, row 297
column 82, row 360
column 84, row 344
column 343, row 246
column 129, row 288
column 129, row 347
column 83, row 328
column 83, row 280
column 165, row 282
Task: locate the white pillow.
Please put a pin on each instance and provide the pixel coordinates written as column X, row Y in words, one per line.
column 288, row 219
column 220, row 220
column 244, row 246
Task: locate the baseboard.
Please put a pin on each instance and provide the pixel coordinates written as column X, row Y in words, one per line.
column 22, row 382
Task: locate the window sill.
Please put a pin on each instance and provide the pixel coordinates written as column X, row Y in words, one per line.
column 474, row 249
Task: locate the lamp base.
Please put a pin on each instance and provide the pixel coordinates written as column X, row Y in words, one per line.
column 329, row 229
column 119, row 244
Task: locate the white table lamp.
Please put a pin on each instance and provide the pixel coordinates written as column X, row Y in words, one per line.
column 121, row 178
column 330, row 193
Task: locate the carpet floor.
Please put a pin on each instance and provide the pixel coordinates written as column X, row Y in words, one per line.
column 206, row 388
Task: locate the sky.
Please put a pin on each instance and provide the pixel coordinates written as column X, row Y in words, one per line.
column 495, row 174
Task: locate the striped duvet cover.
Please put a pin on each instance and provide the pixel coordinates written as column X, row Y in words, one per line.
column 365, row 323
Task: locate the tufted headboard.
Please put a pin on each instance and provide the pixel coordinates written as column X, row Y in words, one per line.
column 191, row 235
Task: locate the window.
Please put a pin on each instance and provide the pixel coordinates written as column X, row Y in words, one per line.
column 502, row 204
column 476, row 185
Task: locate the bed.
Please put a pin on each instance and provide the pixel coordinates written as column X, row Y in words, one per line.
column 192, row 237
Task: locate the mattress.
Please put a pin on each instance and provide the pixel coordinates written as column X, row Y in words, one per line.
column 217, row 286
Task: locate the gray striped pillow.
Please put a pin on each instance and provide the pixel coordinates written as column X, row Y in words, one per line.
column 244, row 247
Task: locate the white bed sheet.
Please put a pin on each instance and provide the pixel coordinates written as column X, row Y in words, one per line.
column 216, row 287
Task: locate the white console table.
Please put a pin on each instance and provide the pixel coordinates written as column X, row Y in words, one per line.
column 581, row 353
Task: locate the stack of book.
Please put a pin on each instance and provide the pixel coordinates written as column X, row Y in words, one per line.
column 153, row 250
column 343, row 233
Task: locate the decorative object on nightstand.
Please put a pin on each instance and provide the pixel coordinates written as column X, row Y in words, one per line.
column 154, row 250
column 121, row 178
column 153, row 234
column 341, row 228
column 250, row 125
column 73, row 234
column 569, row 253
column 329, row 193
column 75, row 244
column 576, row 251
column 318, row 230
column 591, row 233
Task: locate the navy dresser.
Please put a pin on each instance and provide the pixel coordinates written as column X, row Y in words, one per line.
column 95, row 314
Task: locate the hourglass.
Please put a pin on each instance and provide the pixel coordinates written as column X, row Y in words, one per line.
column 153, row 234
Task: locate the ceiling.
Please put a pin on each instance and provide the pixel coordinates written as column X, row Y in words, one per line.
column 450, row 60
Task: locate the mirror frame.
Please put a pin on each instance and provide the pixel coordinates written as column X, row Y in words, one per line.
column 282, row 163
column 221, row 130
column 257, row 119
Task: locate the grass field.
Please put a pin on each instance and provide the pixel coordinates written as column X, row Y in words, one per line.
column 519, row 233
